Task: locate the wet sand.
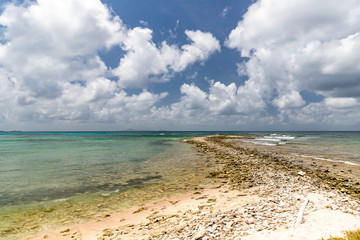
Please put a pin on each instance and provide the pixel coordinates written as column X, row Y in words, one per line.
column 257, row 194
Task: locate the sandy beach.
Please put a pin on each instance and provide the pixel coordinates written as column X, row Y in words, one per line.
column 257, row 194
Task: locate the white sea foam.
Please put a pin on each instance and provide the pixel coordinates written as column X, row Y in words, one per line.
column 284, row 137
column 268, row 139
column 61, row 200
column 327, row 159
column 109, row 193
column 260, row 143
column 265, row 144
column 271, row 140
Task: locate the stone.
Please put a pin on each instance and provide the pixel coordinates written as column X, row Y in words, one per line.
column 139, row 210
column 199, row 235
column 65, row 231
column 301, row 173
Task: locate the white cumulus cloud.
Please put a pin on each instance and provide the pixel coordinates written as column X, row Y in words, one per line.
column 300, row 45
column 50, row 68
column 145, row 62
column 220, row 99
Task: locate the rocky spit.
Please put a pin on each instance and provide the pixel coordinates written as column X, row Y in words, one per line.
column 258, row 194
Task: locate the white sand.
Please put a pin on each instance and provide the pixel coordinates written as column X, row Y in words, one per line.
column 320, row 221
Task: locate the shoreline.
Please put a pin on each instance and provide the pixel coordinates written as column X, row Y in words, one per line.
column 180, row 168
column 258, row 196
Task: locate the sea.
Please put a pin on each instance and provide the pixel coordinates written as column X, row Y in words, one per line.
column 49, row 179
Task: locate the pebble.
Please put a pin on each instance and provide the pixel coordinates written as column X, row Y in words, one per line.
column 199, row 235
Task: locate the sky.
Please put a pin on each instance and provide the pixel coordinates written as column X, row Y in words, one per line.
column 180, row 65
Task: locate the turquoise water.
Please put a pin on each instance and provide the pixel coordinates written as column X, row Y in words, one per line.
column 45, row 176
column 51, row 178
column 34, row 167
column 37, row 166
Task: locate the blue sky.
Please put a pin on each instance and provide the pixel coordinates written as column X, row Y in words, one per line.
column 180, row 65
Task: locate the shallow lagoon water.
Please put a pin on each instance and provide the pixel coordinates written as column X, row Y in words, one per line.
column 52, row 179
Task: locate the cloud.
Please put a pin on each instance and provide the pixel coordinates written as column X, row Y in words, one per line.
column 98, row 101
column 220, row 100
column 145, row 62
column 291, row 99
column 290, row 47
column 313, row 47
column 144, row 23
column 173, row 32
column 47, row 43
column 50, row 69
column 341, row 102
column 220, row 107
column 336, row 114
column 299, row 45
column 224, row 12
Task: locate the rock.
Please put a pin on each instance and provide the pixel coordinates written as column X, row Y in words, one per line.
column 199, row 235
column 33, row 227
column 49, row 209
column 65, row 231
column 204, row 206
column 212, row 229
column 139, row 210
column 9, row 229
column 301, row 173
column 229, row 224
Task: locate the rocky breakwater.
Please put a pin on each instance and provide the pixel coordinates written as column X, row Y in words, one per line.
column 263, row 194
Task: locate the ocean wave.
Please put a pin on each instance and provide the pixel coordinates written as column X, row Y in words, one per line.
column 271, row 140
column 109, row 193
column 61, row 200
column 327, row 159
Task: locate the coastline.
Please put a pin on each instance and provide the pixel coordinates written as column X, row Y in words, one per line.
column 257, row 195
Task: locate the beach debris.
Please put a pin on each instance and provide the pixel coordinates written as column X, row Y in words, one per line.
column 174, row 202
column 204, row 206
column 139, row 210
column 32, row 227
column 199, row 235
column 301, row 213
column 301, row 173
column 65, row 231
column 202, row 197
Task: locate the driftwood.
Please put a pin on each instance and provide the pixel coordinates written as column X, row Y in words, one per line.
column 301, row 213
